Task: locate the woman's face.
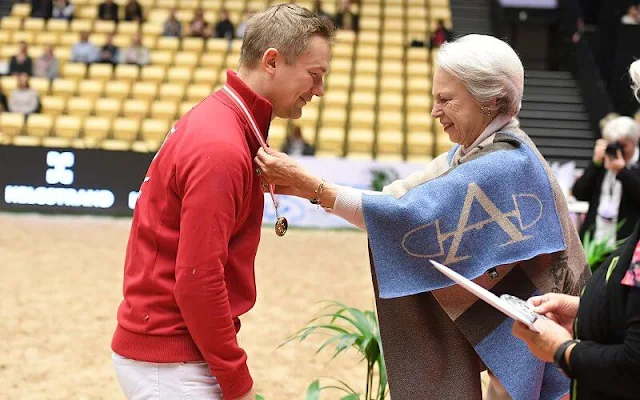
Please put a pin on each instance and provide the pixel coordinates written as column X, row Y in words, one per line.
column 458, row 112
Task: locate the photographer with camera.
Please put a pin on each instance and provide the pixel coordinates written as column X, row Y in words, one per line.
column 611, row 183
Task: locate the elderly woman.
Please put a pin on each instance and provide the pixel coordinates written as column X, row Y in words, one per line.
column 490, row 209
column 595, row 338
column 611, row 183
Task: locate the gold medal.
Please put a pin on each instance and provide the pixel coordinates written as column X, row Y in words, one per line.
column 281, row 226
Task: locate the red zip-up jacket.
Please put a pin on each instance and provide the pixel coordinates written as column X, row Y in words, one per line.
column 189, row 268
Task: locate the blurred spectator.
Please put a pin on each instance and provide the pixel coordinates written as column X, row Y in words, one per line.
column 346, row 18
column 136, row 53
column 109, row 53
column 611, row 183
column 23, row 99
column 108, row 11
column 21, row 62
column 632, row 17
column 46, row 65
column 62, row 9
column 295, row 144
column 242, row 27
column 133, row 11
column 41, row 9
column 3, row 100
column 172, row 27
column 198, row 26
column 84, row 51
column 317, row 8
column 440, row 35
column 224, row 28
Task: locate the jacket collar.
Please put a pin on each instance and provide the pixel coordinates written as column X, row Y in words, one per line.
column 259, row 107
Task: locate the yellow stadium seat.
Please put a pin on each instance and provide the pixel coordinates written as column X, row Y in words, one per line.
column 162, row 57
column 63, row 54
column 40, row 84
column 189, row 4
column 186, row 59
column 34, row 24
column 151, row 29
column 68, row 126
column 109, row 108
column 336, row 98
column 157, row 16
column 149, row 41
column 63, row 87
column 443, row 143
column 11, row 124
column 118, row 90
column 345, row 36
column 419, row 121
column 90, row 88
column 393, row 84
column 24, row 36
column 80, row 106
column 81, row 25
column 46, row 38
column 185, row 107
column 341, row 65
column 128, row 27
column 362, row 119
column 369, row 37
column 193, row 44
column 144, row 90
column 57, row 25
column 418, row 69
column 90, row 12
column 338, row 81
column 179, row 75
column 342, row 50
column 420, row 143
column 21, row 10
column 363, row 99
column 102, row 26
column 167, row 4
column 360, row 140
column 366, row 82
column 125, row 129
column 122, row 41
column 204, row 76
column 39, row 125
column 334, row 117
column 367, row 51
column 154, row 131
column 216, row 45
column 331, row 139
column 68, row 39
column 168, row 43
column 135, row 108
column 171, row 92
column 418, row 103
column 53, row 105
column 75, row 71
column 9, row 83
column 5, row 37
column 392, row 67
column 11, row 23
column 390, row 142
column 153, row 73
column 127, row 72
column 96, row 130
column 164, row 110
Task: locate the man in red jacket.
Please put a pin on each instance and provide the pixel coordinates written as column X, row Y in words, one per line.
column 189, row 269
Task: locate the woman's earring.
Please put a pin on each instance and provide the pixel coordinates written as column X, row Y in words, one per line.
column 485, row 111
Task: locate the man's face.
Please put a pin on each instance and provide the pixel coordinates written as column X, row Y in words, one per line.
column 294, row 85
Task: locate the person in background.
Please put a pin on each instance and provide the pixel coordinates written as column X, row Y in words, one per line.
column 133, row 11
column 317, row 8
column 242, row 27
column 84, row 51
column 21, row 63
column 189, row 272
column 346, row 18
column 136, row 53
column 108, row 11
column 632, row 17
column 224, row 28
column 172, row 27
column 46, row 65
column 24, row 99
column 295, row 145
column 611, row 183
column 440, row 35
column 198, row 27
column 41, row 9
column 63, row 9
column 3, row 100
column 594, row 338
column 109, row 53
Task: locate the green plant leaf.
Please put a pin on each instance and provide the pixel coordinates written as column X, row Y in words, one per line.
column 313, row 391
column 259, row 397
column 353, row 396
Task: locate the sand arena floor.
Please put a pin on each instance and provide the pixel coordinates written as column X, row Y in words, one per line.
column 61, row 284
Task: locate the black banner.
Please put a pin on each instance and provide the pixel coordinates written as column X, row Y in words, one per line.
column 70, row 180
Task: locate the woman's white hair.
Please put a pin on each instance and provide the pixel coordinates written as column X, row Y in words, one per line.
column 621, row 128
column 634, row 73
column 488, row 67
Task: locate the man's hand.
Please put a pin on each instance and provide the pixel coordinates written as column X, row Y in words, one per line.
column 544, row 343
column 616, row 164
column 250, row 395
column 560, row 308
column 599, row 151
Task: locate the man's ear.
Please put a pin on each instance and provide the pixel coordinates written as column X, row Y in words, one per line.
column 270, row 60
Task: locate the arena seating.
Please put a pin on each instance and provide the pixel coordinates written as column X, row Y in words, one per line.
column 378, row 92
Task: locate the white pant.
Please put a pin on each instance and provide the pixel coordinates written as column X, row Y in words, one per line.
column 165, row 381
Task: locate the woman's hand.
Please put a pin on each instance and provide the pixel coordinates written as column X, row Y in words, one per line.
column 544, row 343
column 560, row 308
column 283, row 171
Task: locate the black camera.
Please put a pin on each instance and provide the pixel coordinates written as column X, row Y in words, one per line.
column 612, row 149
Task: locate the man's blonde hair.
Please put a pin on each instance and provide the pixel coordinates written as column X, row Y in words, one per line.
column 285, row 27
